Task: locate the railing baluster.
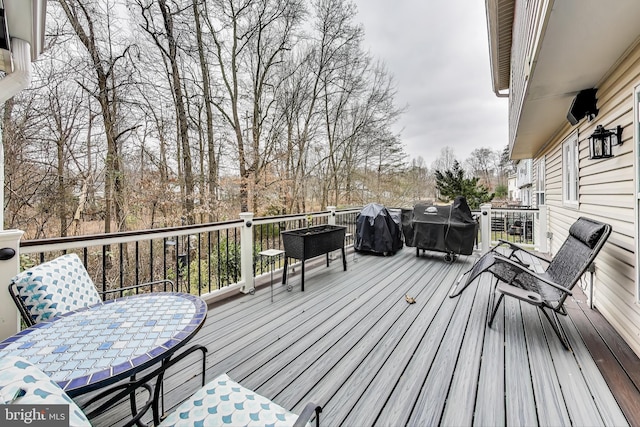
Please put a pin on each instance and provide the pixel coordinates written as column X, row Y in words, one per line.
column 209, row 260
column 137, row 265
column 121, row 265
column 104, row 270
column 219, row 279
column 199, row 266
column 164, row 258
column 151, row 275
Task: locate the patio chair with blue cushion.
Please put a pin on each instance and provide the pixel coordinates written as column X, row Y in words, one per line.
column 59, row 286
column 546, row 290
column 224, row 402
column 220, row 402
column 22, row 383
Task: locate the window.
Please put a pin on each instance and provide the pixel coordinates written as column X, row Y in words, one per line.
column 540, row 177
column 570, row 169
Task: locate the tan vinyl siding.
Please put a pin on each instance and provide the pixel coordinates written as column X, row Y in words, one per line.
column 606, row 193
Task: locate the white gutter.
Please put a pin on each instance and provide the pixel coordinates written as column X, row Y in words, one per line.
column 20, row 78
column 12, row 84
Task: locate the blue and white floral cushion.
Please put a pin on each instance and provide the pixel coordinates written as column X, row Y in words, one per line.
column 23, row 384
column 56, row 287
column 224, row 402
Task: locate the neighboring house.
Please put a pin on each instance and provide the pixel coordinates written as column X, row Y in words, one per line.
column 514, row 191
column 542, row 55
column 525, row 181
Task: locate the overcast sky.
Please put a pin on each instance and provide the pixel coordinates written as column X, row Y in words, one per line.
column 437, row 52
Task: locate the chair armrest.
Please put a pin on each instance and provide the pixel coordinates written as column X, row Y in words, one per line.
column 521, row 294
column 306, row 414
column 517, row 248
column 525, row 270
column 165, row 282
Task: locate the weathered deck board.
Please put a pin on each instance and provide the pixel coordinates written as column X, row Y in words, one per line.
column 550, row 404
column 606, row 404
column 463, row 386
column 603, row 369
column 490, row 398
column 353, row 344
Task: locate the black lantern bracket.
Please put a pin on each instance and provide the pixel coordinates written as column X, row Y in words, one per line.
column 602, row 140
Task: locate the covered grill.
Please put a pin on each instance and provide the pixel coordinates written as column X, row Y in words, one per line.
column 377, row 231
column 451, row 229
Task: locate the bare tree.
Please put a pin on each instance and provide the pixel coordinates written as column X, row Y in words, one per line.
column 166, row 40
column 251, row 38
column 445, row 160
column 212, row 181
column 482, row 163
column 320, row 58
column 245, row 96
column 91, row 25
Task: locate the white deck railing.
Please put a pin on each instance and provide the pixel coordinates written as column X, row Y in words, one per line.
column 213, row 260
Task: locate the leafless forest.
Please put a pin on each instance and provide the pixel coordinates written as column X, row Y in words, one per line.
column 151, row 113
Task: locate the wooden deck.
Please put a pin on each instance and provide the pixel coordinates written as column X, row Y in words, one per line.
column 353, row 344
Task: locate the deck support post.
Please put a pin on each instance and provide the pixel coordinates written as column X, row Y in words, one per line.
column 246, row 253
column 485, row 227
column 9, row 316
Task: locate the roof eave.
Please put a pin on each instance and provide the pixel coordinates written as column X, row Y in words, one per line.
column 500, row 14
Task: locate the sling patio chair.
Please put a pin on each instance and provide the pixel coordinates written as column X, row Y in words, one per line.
column 546, row 290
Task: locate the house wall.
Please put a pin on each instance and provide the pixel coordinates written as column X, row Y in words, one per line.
column 527, row 32
column 607, row 193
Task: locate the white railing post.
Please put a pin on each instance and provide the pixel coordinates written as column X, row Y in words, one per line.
column 246, row 253
column 331, row 221
column 9, row 316
column 485, row 228
column 541, row 242
column 332, row 216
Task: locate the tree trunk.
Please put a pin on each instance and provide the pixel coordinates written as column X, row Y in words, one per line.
column 183, row 127
column 212, row 176
column 114, row 175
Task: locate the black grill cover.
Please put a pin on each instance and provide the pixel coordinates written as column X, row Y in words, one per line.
column 450, row 228
column 376, row 231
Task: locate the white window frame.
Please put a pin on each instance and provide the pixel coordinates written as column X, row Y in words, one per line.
column 571, row 171
column 636, row 125
column 541, row 171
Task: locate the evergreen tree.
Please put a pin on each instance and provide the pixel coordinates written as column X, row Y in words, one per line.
column 452, row 183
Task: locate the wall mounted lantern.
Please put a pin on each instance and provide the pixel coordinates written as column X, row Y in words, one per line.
column 601, row 141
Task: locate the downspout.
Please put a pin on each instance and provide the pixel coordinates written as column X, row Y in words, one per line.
column 10, row 86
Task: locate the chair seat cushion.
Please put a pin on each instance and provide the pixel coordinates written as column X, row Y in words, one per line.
column 56, row 287
column 22, row 383
column 225, row 402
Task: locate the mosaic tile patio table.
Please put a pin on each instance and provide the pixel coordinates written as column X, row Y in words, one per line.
column 96, row 346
